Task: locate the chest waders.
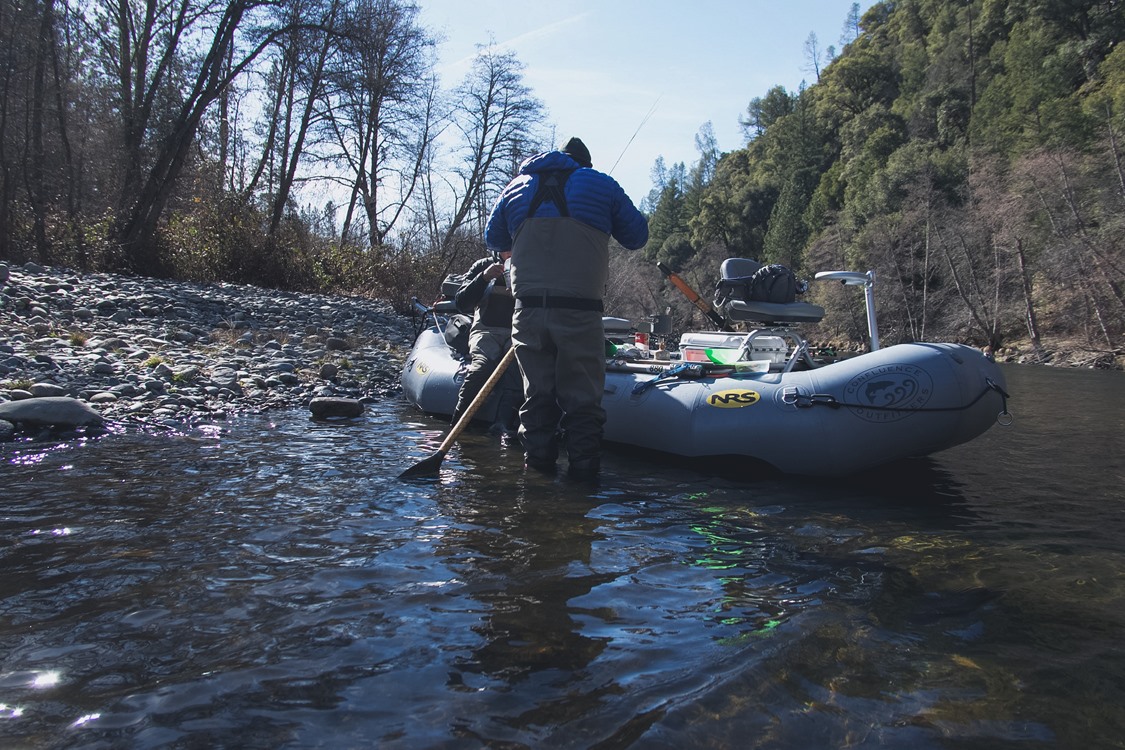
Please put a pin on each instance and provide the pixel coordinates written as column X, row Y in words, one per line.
column 559, row 271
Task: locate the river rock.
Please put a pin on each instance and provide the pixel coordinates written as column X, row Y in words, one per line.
column 47, row 389
column 205, row 351
column 49, row 411
column 327, row 407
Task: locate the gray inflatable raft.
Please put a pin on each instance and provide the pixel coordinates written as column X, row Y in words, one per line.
column 903, row 401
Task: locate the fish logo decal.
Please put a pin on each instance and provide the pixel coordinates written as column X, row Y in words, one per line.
column 888, row 393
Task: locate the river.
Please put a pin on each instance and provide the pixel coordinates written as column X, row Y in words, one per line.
column 270, row 583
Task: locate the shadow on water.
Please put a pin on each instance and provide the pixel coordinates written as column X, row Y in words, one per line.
column 271, row 583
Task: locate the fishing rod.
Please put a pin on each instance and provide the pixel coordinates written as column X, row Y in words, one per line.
column 651, row 110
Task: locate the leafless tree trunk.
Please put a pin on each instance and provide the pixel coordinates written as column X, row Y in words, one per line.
column 310, row 84
column 1029, row 306
column 1075, row 235
column 1114, row 149
column 148, row 50
column 983, row 308
column 377, row 110
column 497, row 115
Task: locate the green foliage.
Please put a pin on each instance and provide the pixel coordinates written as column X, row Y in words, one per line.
column 763, row 112
column 675, row 251
column 1104, row 102
column 735, row 208
column 880, row 165
column 948, row 144
column 788, row 232
column 668, row 217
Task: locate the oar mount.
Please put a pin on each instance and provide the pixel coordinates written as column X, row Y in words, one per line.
column 855, row 278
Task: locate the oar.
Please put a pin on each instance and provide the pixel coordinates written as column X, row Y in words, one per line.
column 429, row 466
column 694, row 297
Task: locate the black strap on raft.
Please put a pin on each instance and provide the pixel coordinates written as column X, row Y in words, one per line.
column 796, row 398
column 686, row 370
column 550, row 188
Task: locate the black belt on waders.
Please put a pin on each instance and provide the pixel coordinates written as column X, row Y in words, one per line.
column 554, row 302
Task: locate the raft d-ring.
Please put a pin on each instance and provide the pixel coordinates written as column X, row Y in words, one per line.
column 790, row 395
column 1004, row 418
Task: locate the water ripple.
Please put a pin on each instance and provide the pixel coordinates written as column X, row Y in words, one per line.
column 269, row 582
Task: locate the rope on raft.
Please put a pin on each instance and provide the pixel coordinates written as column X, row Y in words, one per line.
column 794, row 397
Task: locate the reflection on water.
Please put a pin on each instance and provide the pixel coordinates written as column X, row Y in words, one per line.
column 270, row 583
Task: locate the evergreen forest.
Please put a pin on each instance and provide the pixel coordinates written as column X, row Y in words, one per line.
column 970, row 152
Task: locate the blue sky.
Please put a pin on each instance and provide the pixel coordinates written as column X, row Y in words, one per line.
column 602, row 66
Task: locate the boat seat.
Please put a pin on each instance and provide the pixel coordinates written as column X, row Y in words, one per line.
column 766, row 313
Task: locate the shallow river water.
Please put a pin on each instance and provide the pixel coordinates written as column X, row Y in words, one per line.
column 270, row 583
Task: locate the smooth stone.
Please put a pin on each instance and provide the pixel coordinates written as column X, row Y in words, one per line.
column 325, row 407
column 47, row 389
column 54, row 411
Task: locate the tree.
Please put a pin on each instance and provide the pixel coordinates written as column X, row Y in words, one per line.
column 764, row 111
column 735, row 207
column 378, row 101
column 299, row 83
column 147, row 54
column 814, row 55
column 669, row 215
column 794, row 154
column 851, row 28
column 497, row 117
column 44, row 119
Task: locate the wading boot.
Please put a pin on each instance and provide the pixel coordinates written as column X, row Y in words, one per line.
column 540, row 464
column 584, row 469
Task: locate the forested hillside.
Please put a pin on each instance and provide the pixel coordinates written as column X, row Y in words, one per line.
column 969, row 152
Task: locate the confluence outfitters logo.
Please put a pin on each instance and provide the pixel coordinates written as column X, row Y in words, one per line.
column 893, row 392
column 733, row 399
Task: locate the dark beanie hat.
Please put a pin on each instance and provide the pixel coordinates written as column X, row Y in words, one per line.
column 577, row 150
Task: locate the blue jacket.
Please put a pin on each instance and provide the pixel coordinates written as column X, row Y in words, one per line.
column 592, row 197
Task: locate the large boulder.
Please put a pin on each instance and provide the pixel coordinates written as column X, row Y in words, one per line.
column 327, row 407
column 50, row 411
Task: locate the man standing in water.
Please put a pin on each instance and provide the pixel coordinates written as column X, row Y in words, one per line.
column 557, row 217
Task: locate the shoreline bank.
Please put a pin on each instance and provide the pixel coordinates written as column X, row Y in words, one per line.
column 176, row 353
column 150, row 350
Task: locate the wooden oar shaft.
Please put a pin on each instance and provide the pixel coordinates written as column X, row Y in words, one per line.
column 478, row 400
column 693, row 297
column 431, row 464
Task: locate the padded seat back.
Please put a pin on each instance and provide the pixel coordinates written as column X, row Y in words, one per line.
column 735, row 268
column 744, row 310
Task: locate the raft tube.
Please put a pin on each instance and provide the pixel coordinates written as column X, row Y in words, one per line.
column 903, row 401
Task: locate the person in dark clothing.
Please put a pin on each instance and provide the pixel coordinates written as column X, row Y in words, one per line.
column 485, row 296
column 557, row 217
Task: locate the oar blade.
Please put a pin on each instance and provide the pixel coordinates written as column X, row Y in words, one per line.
column 427, row 467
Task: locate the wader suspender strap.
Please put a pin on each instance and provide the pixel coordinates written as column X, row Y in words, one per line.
column 550, row 187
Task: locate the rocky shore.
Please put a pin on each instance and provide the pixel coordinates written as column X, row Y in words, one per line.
column 164, row 353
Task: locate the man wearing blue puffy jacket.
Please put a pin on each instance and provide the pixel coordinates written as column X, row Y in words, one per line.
column 557, row 217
